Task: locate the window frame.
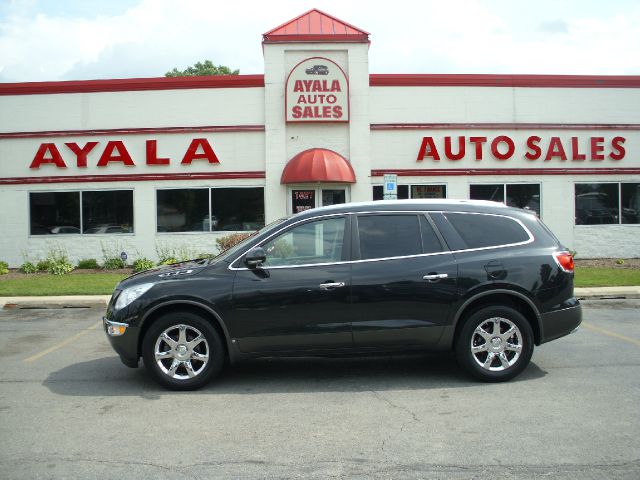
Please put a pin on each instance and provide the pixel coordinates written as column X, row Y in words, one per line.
column 209, row 188
column 619, row 223
column 81, row 233
column 504, row 194
column 444, row 224
column 236, row 263
column 346, row 251
column 412, row 184
column 420, row 217
column 318, row 188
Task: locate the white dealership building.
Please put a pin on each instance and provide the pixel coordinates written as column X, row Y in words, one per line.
column 142, row 165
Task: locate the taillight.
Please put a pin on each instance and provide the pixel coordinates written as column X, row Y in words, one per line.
column 565, row 260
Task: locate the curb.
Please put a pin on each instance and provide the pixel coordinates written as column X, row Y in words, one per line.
column 607, row 293
column 72, row 301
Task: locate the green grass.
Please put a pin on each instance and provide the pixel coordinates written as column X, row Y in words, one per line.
column 76, row 284
column 606, row 277
column 103, row 283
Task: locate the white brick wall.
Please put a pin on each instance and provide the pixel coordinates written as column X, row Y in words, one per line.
column 607, row 241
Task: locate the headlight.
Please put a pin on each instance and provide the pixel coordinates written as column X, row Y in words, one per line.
column 128, row 295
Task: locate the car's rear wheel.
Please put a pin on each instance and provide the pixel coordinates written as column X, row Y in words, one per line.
column 182, row 351
column 495, row 344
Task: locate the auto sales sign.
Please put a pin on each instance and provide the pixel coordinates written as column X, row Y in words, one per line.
column 317, row 91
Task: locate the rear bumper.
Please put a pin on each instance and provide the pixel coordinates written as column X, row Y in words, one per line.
column 560, row 323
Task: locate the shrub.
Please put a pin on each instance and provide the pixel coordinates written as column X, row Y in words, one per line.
column 28, row 267
column 114, row 264
column 168, row 253
column 228, row 241
column 111, row 256
column 88, row 263
column 142, row 264
column 168, row 261
column 58, row 261
column 43, row 265
column 4, row 268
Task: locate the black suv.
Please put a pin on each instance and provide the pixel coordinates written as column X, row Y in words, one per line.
column 479, row 278
column 317, row 70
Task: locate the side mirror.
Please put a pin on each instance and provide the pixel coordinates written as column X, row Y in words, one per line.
column 255, row 257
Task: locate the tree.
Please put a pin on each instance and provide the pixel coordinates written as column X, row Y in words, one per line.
column 202, row 68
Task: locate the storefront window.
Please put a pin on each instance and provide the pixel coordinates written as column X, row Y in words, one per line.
column 107, row 211
column 519, row 195
column 237, row 208
column 630, row 202
column 493, row 193
column 417, row 191
column 102, row 211
column 54, row 213
column 183, row 210
column 597, row 203
column 607, row 203
column 210, row 209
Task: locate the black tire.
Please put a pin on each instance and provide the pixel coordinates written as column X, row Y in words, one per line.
column 198, row 356
column 491, row 356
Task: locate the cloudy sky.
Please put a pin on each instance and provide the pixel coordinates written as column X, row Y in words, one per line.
column 45, row 40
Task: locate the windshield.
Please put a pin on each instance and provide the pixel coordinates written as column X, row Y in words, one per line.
column 230, row 253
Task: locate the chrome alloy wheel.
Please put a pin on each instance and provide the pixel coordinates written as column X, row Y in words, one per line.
column 181, row 352
column 496, row 344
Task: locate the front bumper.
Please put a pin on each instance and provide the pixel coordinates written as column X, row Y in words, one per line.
column 125, row 345
column 560, row 323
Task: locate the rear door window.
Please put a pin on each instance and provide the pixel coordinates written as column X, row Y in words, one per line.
column 481, row 230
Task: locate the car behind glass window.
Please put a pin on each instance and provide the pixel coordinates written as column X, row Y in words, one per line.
column 479, row 231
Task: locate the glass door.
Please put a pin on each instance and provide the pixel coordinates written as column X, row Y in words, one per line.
column 333, row 196
column 305, row 198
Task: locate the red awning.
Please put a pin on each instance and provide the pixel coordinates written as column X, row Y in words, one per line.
column 318, row 165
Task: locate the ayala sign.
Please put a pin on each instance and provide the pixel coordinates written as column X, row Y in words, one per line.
column 116, row 152
column 317, row 91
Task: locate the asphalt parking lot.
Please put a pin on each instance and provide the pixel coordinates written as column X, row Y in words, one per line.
column 70, row 409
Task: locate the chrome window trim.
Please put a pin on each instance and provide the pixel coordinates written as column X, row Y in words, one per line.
column 373, row 212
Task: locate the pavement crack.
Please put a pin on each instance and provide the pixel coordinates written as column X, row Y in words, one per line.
column 414, row 418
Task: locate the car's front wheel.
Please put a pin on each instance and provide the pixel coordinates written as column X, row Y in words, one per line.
column 182, row 351
column 495, row 344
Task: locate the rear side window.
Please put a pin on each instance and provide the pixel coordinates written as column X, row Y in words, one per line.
column 384, row 236
column 480, row 230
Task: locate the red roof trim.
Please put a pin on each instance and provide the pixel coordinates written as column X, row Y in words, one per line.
column 134, row 131
column 456, row 172
column 130, row 177
column 315, row 26
column 315, row 38
column 132, row 84
column 541, row 81
column 504, row 126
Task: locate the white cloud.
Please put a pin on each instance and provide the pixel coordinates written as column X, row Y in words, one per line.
column 429, row 36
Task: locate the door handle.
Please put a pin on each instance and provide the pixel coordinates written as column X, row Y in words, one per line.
column 434, row 277
column 331, row 285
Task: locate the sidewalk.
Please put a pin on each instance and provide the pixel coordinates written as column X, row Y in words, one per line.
column 584, row 293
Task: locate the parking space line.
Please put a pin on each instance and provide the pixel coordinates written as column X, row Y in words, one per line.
column 610, row 334
column 57, row 346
